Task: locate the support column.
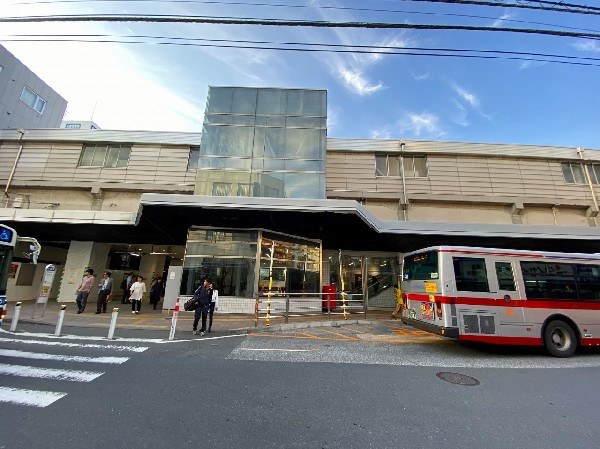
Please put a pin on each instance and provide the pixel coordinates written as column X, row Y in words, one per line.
column 82, row 255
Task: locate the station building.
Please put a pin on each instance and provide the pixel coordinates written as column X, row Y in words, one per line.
column 263, row 190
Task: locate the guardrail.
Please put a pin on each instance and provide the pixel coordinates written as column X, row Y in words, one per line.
column 274, row 305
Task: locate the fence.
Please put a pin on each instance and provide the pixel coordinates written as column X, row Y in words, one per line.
column 286, row 305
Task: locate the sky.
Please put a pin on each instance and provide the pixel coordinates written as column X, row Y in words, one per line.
column 158, row 87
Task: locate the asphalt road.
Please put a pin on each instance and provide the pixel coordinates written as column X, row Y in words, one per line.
column 347, row 387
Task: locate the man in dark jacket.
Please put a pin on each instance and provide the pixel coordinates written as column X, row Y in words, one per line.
column 203, row 296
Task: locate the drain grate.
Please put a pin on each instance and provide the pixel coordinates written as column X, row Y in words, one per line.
column 458, row 379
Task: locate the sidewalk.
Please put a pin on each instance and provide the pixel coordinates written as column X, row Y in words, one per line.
column 158, row 322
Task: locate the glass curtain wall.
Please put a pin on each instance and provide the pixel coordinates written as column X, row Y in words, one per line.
column 226, row 256
column 263, row 143
column 295, row 264
column 229, row 258
column 381, row 274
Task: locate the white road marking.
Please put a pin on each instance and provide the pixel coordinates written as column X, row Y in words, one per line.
column 81, row 337
column 49, row 373
column 76, row 345
column 33, row 398
column 60, row 357
column 283, row 350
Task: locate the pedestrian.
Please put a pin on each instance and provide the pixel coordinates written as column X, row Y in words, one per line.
column 214, row 305
column 137, row 290
column 84, row 289
column 203, row 296
column 105, row 285
column 156, row 291
column 123, row 287
column 130, row 281
column 399, row 302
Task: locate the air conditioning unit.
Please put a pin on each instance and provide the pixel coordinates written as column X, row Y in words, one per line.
column 17, row 202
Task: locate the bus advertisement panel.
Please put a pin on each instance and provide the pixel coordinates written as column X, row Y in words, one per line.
column 505, row 296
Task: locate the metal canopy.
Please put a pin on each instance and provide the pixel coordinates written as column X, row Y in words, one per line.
column 340, row 224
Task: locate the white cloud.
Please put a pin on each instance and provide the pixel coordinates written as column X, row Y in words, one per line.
column 424, row 125
column 357, row 83
column 585, row 45
column 500, row 22
column 466, row 96
column 460, row 118
column 381, row 133
column 420, row 77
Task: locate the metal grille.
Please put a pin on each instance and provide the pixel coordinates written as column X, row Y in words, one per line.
column 488, row 324
column 454, row 321
column 452, row 309
column 471, row 324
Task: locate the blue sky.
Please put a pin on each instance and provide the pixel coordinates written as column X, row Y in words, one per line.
column 164, row 87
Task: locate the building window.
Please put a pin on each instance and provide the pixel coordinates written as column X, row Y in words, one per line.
column 221, row 189
column 193, row 158
column 389, row 165
column 594, row 172
column 73, row 125
column 106, row 155
column 33, row 100
column 573, row 172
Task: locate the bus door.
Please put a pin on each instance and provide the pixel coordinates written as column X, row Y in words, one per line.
column 504, row 284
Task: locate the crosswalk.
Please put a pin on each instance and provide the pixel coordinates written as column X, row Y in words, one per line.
column 36, row 360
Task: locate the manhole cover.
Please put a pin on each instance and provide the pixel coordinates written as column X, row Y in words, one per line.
column 458, row 379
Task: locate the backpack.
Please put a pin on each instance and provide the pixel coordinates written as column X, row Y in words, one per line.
column 190, row 304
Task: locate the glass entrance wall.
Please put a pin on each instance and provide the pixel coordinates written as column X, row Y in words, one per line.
column 381, row 273
column 229, row 258
column 296, row 264
column 226, row 256
column 263, row 142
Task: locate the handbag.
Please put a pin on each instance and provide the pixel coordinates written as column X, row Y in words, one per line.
column 190, row 304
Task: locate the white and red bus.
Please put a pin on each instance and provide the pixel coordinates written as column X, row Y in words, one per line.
column 501, row 296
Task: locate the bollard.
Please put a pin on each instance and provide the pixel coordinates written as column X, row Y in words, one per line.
column 61, row 318
column 15, row 320
column 256, row 313
column 174, row 320
column 113, row 323
column 287, row 308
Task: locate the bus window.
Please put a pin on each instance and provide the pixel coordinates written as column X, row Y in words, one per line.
column 544, row 280
column 470, row 274
column 421, row 266
column 588, row 280
column 504, row 272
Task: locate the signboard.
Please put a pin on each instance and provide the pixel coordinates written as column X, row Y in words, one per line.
column 6, row 234
column 47, row 280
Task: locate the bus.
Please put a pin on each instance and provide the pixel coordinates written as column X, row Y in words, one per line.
column 500, row 296
column 8, row 242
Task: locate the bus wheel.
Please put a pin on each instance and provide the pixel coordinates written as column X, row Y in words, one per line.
column 560, row 339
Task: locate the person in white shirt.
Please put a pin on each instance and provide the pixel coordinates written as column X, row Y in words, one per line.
column 214, row 305
column 137, row 293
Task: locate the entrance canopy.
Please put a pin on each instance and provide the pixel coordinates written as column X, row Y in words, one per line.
column 344, row 224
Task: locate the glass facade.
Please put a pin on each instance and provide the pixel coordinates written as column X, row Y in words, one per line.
column 229, row 258
column 263, row 142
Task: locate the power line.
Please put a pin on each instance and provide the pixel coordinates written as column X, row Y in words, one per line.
column 287, row 23
column 402, row 51
column 340, row 8
column 553, row 6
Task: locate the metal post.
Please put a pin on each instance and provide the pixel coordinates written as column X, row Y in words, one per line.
column 329, row 306
column 287, row 307
column 256, row 312
column 113, row 323
column 61, row 318
column 15, row 320
column 174, row 320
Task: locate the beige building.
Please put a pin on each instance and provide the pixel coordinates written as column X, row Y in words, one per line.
column 146, row 201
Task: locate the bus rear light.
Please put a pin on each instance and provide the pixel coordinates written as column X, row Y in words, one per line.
column 438, row 309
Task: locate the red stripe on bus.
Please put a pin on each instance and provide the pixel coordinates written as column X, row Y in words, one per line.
column 500, row 302
column 590, row 342
column 493, row 339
